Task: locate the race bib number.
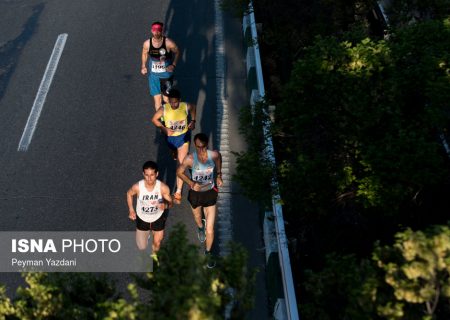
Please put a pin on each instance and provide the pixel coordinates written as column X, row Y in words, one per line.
column 177, row 125
column 203, row 176
column 149, row 210
column 158, row 66
column 150, row 207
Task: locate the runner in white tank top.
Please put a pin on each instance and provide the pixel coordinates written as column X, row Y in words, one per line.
column 153, row 198
column 148, row 202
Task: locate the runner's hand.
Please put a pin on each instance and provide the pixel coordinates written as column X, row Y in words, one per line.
column 195, row 186
column 170, row 68
column 132, row 215
column 169, row 131
column 219, row 181
column 144, row 71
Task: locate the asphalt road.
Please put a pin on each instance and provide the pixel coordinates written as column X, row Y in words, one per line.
column 94, row 131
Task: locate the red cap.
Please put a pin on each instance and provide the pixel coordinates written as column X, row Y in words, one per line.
column 156, row 28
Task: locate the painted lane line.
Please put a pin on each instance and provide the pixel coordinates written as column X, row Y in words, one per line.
column 41, row 95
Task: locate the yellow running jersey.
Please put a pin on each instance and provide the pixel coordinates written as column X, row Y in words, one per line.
column 177, row 119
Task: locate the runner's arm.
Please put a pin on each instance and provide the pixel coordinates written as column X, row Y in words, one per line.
column 157, row 122
column 193, row 110
column 144, row 57
column 165, row 191
column 156, row 118
column 186, row 164
column 172, row 46
column 134, row 190
column 217, row 157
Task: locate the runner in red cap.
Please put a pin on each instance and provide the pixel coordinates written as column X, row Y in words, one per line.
column 164, row 55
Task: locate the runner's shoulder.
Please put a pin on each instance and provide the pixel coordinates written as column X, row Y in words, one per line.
column 215, row 153
column 164, row 187
column 134, row 188
column 170, row 43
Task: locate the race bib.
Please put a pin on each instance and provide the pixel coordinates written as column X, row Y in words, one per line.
column 158, row 66
column 177, row 125
column 203, row 176
column 150, row 207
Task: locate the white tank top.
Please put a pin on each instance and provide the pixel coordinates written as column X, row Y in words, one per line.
column 147, row 205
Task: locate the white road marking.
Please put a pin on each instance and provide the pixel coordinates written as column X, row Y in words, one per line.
column 41, row 95
column 224, row 227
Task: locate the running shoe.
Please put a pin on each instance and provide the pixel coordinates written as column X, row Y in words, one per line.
column 210, row 261
column 154, row 257
column 168, row 88
column 201, row 232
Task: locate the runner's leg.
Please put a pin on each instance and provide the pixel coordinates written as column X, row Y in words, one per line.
column 197, row 212
column 210, row 215
column 142, row 239
column 157, row 99
column 182, row 152
column 155, row 90
column 157, row 238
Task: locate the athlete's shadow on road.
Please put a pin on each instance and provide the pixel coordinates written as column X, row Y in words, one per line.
column 167, row 166
column 195, row 73
column 10, row 51
column 192, row 29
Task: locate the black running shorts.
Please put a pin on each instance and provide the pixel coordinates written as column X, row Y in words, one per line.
column 203, row 198
column 157, row 225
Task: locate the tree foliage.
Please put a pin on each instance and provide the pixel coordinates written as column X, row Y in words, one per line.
column 358, row 129
column 254, row 167
column 64, row 296
column 361, row 121
column 417, row 268
column 409, row 279
column 404, row 12
column 288, row 26
column 183, row 288
column 342, row 289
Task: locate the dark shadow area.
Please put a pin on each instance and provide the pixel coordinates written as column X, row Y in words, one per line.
column 194, row 77
column 10, row 52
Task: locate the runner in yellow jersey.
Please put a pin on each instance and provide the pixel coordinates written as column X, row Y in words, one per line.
column 177, row 127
